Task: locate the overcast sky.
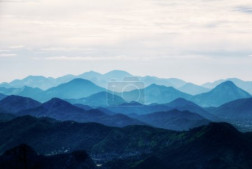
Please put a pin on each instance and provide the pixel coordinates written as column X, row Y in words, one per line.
column 196, row 40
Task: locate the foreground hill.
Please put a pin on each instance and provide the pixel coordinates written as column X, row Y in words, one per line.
column 217, row 145
column 223, row 93
column 48, row 136
column 24, row 157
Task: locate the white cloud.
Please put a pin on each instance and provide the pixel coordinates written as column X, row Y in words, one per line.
column 7, row 55
column 140, row 30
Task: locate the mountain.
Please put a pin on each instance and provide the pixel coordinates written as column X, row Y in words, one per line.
column 62, row 110
column 116, row 75
column 34, row 93
column 185, row 105
column 216, row 146
column 101, row 99
column 174, row 120
column 14, row 104
column 48, row 136
column 193, row 89
column 134, row 109
column 24, row 157
column 4, row 117
column 169, row 82
column 223, row 93
column 32, row 81
column 40, row 82
column 75, row 89
column 238, row 112
column 2, row 96
column 154, row 94
column 245, row 85
column 82, row 106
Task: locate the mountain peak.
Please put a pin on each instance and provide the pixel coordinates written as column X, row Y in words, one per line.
column 117, row 73
column 90, row 73
column 227, row 83
column 180, row 101
column 56, row 101
column 79, row 80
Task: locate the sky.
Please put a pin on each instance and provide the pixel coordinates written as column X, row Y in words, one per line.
column 197, row 40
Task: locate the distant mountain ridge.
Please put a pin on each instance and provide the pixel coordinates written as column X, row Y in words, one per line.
column 245, row 85
column 103, row 80
column 223, row 93
column 155, row 94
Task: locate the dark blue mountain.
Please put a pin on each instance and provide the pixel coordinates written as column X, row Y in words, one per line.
column 216, row 146
column 174, row 120
column 238, row 112
column 4, row 117
column 24, row 157
column 82, row 106
column 14, row 104
column 135, row 108
column 61, row 110
column 185, row 105
column 2, row 96
column 223, row 93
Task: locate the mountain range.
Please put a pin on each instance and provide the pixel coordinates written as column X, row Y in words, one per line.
column 103, row 80
column 216, row 145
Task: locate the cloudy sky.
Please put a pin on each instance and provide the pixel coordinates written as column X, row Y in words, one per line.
column 196, row 40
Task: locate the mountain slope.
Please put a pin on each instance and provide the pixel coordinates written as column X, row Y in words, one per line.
column 223, row 93
column 75, row 89
column 193, row 89
column 99, row 99
column 24, row 157
column 34, row 93
column 135, row 108
column 174, row 120
column 2, row 96
column 14, row 104
column 154, row 94
column 62, row 110
column 48, row 136
column 216, row 146
column 245, row 85
column 238, row 112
